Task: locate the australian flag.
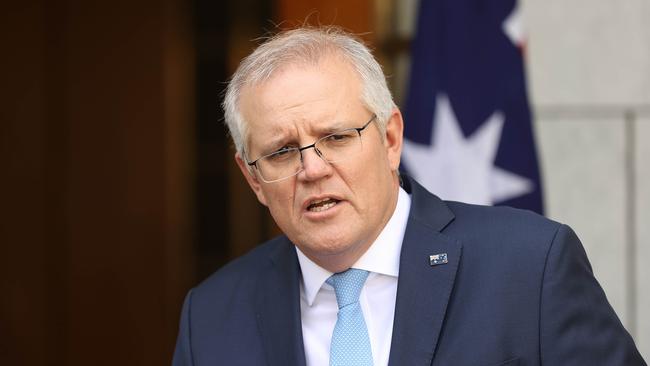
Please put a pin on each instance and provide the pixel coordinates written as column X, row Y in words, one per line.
column 468, row 133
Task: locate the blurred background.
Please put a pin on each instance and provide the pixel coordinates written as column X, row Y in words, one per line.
column 119, row 190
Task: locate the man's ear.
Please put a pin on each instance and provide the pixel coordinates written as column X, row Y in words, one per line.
column 251, row 178
column 394, row 138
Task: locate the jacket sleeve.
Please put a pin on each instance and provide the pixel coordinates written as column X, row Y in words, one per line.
column 183, row 351
column 577, row 324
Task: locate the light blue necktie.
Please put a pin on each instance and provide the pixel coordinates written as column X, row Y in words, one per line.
column 350, row 341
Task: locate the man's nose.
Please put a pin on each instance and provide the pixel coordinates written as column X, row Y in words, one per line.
column 314, row 165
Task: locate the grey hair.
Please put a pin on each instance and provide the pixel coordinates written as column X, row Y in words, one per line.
column 306, row 45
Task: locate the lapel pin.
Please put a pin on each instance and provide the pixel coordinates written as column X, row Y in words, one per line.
column 437, row 259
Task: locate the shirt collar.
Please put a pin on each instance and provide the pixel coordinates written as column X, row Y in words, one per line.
column 382, row 257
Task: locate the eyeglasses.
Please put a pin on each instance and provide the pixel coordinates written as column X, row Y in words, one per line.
column 333, row 148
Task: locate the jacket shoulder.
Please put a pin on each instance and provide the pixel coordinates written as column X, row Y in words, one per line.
column 501, row 220
column 240, row 274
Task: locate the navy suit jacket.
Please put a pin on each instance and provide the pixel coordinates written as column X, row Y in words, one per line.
column 517, row 290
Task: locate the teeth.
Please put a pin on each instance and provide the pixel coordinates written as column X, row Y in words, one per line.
column 322, row 205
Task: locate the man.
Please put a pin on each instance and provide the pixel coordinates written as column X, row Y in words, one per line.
column 373, row 269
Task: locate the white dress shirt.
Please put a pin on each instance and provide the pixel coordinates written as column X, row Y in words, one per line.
column 318, row 301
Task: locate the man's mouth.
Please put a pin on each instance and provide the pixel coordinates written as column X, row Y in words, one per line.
column 322, row 204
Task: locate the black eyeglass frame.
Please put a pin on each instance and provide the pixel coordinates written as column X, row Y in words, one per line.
column 301, row 149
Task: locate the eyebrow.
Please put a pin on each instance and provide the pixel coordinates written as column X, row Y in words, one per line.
column 273, row 143
column 279, row 137
column 334, row 126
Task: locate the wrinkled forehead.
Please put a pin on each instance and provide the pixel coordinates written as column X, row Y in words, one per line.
column 298, row 91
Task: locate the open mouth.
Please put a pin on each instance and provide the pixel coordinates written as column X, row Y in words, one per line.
column 322, row 205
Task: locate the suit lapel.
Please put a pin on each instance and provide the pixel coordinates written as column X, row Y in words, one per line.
column 278, row 309
column 423, row 290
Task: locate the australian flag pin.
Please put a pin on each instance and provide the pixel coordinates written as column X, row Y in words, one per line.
column 437, row 259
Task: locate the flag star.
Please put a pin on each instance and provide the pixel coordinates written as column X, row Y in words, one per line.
column 462, row 169
column 513, row 26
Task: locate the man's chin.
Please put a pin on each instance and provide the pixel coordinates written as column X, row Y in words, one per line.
column 324, row 246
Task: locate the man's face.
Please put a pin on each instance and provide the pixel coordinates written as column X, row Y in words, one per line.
column 297, row 106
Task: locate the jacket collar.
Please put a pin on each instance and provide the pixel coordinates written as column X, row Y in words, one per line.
column 278, row 308
column 423, row 289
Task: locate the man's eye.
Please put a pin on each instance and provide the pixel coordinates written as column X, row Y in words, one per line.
column 283, row 153
column 339, row 137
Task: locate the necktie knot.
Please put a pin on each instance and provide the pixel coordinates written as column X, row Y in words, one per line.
column 347, row 285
